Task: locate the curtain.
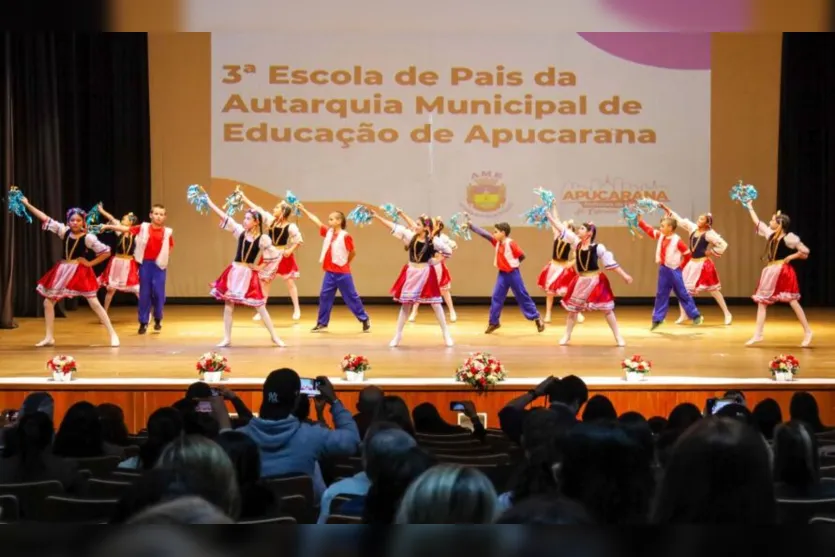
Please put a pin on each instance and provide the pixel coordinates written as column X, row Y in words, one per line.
column 806, row 161
column 75, row 132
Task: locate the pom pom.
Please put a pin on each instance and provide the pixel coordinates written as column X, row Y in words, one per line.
column 16, row 206
column 197, row 196
column 360, row 216
column 744, row 193
column 546, row 196
column 631, row 213
column 390, row 211
column 537, row 216
column 293, row 201
column 93, row 217
column 458, row 226
column 234, row 202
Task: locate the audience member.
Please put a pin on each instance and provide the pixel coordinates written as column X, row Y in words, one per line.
column 369, row 399
column 766, row 416
column 388, row 484
column 164, row 425
column 394, row 409
column 736, row 411
column 719, row 473
column 383, row 441
column 566, row 396
column 38, row 401
column 81, row 434
column 637, row 427
column 33, row 460
column 546, row 509
column 599, row 409
column 449, row 494
column 198, row 417
column 182, row 511
column 257, row 501
column 804, row 408
column 203, row 466
column 428, row 420
column 797, row 465
column 608, row 473
column 683, row 416
column 289, row 446
column 113, row 428
column 657, row 424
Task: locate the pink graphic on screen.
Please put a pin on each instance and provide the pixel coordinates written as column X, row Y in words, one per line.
column 675, row 51
column 685, row 15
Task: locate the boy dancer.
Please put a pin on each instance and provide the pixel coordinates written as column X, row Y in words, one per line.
column 507, row 259
column 669, row 254
column 154, row 242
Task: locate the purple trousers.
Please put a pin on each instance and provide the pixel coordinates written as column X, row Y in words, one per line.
column 345, row 284
column 511, row 281
column 670, row 280
column 151, row 291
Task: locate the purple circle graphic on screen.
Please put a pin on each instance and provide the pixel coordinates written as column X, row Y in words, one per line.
column 684, row 15
column 675, row 51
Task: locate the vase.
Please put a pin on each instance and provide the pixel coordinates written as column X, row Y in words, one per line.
column 211, row 376
column 354, row 376
column 58, row 376
column 636, row 376
column 783, row 376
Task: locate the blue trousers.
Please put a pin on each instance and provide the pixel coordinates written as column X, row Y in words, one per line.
column 511, row 281
column 669, row 280
column 345, row 284
column 151, row 291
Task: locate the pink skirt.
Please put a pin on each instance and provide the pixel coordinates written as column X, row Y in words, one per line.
column 68, row 279
column 700, row 276
column 444, row 278
column 122, row 274
column 778, row 283
column 555, row 278
column 417, row 284
column 589, row 292
column 240, row 285
column 283, row 266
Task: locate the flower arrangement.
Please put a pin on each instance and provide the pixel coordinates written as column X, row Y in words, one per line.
column 636, row 368
column 354, row 367
column 481, row 370
column 784, row 368
column 211, row 366
column 62, row 367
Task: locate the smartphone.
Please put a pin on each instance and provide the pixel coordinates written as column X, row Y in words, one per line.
column 456, row 406
column 310, row 387
column 714, row 405
column 215, row 392
column 11, row 415
column 204, row 407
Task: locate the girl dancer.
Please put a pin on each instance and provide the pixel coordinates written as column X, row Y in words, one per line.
column 286, row 238
column 559, row 272
column 699, row 273
column 122, row 272
column 72, row 276
column 590, row 289
column 418, row 281
column 778, row 281
column 337, row 254
column 239, row 284
column 444, row 278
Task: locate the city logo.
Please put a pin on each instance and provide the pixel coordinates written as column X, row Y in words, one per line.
column 608, row 195
column 487, row 194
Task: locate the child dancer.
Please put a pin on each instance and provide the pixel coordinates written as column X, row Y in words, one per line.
column 507, row 259
column 778, row 281
column 337, row 254
column 699, row 273
column 559, row 272
column 153, row 244
column 669, row 254
column 438, row 264
column 418, row 281
column 589, row 289
column 286, row 237
column 122, row 272
column 239, row 283
column 73, row 275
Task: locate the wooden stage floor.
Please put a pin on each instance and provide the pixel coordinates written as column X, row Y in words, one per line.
column 681, row 354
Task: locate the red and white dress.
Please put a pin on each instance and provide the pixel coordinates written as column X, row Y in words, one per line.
column 590, row 290
column 444, row 278
column 559, row 272
column 122, row 272
column 699, row 273
column 239, row 283
column 283, row 237
column 778, row 281
column 418, row 281
column 69, row 279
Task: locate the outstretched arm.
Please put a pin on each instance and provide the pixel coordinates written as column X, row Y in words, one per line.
column 43, row 217
column 310, row 215
column 480, row 231
column 116, row 227
column 220, row 212
column 406, row 217
column 106, row 215
column 752, row 212
column 390, row 225
column 650, row 231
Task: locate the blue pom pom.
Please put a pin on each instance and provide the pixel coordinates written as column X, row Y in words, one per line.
column 457, row 226
column 234, row 202
column 360, row 216
column 391, row 211
column 197, row 196
column 538, row 216
column 16, row 206
column 546, row 196
column 93, row 217
column 293, row 202
column 744, row 193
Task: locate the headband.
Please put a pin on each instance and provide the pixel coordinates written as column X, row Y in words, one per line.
column 76, row 211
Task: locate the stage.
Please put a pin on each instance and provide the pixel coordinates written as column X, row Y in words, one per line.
column 689, row 363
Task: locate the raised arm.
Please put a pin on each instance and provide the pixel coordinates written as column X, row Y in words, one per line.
column 110, row 218
column 218, row 211
column 310, row 215
column 686, row 224
column 650, row 231
column 478, row 230
column 753, row 213
column 554, row 218
column 43, row 217
column 266, row 216
column 406, row 217
column 390, row 225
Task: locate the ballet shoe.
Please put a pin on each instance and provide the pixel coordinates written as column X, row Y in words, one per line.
column 729, row 319
column 807, row 340
column 681, row 320
column 753, row 340
column 580, row 318
column 278, row 342
column 297, row 315
column 564, row 341
column 448, row 341
column 547, row 319
column 621, row 342
column 114, row 341
column 224, row 343
column 395, row 342
column 256, row 317
column 453, row 317
column 46, row 342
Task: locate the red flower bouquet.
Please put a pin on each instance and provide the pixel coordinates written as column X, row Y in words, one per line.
column 62, row 367
column 212, row 366
column 784, row 368
column 636, row 368
column 482, row 371
column 354, row 367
